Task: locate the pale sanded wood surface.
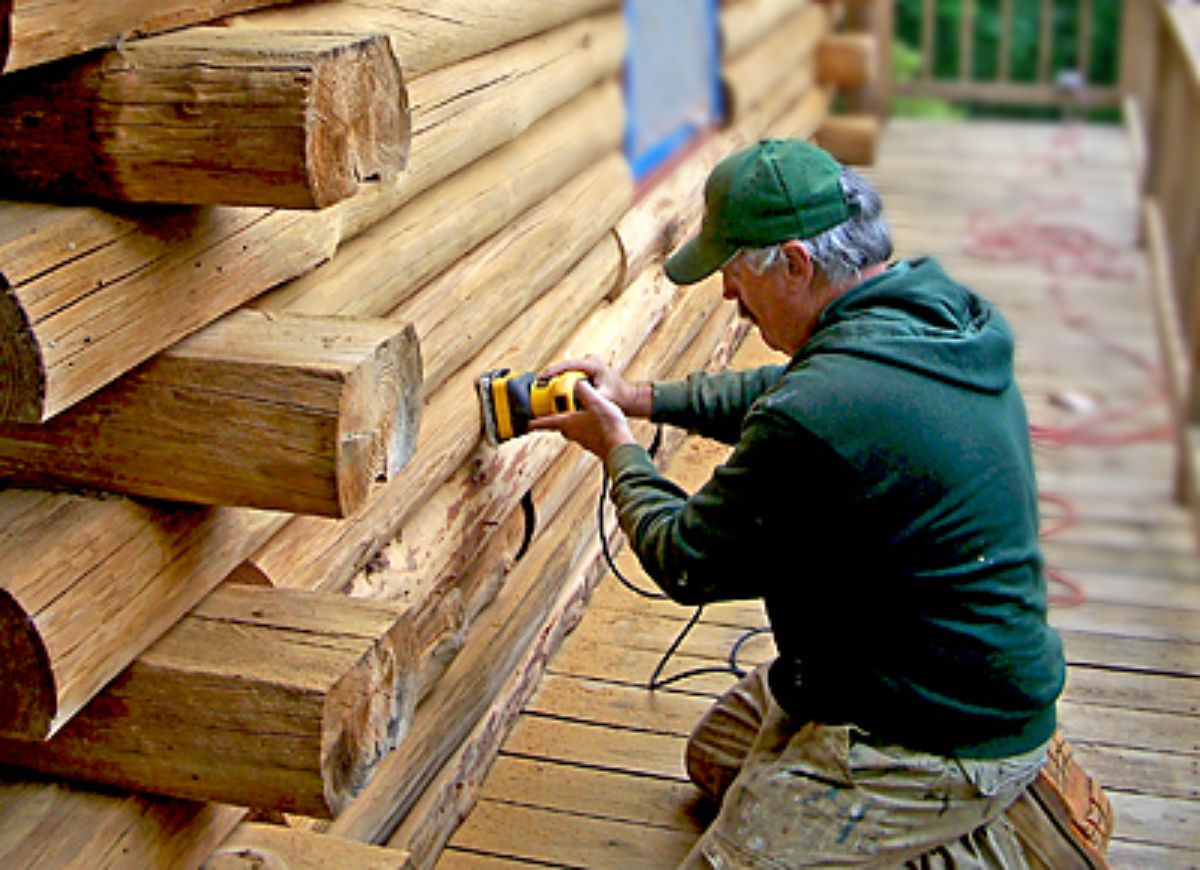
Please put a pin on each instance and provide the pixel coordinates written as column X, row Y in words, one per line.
column 1042, row 219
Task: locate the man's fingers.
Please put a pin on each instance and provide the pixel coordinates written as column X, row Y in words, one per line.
column 555, row 422
column 587, row 366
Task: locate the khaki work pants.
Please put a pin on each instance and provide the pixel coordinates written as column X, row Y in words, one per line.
column 810, row 795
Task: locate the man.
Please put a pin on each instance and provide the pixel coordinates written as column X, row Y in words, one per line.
column 880, row 498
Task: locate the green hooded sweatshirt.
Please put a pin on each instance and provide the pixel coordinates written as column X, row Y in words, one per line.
column 881, row 499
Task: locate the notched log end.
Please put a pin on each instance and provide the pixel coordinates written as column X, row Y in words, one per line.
column 382, row 418
column 367, row 714
column 360, row 127
column 28, row 701
column 22, row 369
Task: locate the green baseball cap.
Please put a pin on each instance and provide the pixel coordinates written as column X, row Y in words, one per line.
column 777, row 190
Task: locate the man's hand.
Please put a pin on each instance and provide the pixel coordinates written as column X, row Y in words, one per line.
column 598, row 428
column 634, row 400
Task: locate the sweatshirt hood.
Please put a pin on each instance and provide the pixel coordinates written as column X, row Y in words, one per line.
column 914, row 316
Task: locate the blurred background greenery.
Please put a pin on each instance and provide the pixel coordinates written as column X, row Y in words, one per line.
column 1103, row 50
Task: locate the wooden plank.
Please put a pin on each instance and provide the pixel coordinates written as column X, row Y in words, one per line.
column 34, row 32
column 643, row 753
column 208, row 115
column 254, row 845
column 285, row 412
column 567, row 788
column 279, row 699
column 576, row 841
column 91, row 583
column 47, row 825
column 430, row 34
column 1147, row 819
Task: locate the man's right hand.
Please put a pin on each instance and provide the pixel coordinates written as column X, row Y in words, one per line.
column 635, row 400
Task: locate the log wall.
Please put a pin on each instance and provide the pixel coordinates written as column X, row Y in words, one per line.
column 161, row 352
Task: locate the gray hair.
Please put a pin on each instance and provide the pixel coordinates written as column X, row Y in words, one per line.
column 840, row 254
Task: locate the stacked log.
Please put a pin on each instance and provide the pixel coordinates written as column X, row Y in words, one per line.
column 340, row 611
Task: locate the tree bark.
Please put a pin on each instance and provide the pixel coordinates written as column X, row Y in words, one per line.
column 208, row 116
column 89, row 584
column 283, row 412
column 270, row 698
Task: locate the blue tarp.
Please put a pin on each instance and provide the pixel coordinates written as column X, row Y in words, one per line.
column 672, row 77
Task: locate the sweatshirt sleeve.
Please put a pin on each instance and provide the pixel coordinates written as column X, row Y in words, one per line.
column 715, row 545
column 712, row 405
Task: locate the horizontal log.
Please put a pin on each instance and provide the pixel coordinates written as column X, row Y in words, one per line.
column 745, row 24
column 315, row 553
column 803, row 118
column 208, row 116
column 463, row 308
column 429, row 34
column 34, row 32
column 89, row 294
column 756, row 73
column 455, row 128
column 285, row 412
column 850, row 138
column 90, row 584
column 280, row 699
column 58, row 826
column 846, row 60
column 516, row 622
column 255, row 846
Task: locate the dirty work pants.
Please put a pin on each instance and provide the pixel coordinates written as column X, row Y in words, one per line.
column 798, row 795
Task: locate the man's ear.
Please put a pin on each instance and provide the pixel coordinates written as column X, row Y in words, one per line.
column 799, row 262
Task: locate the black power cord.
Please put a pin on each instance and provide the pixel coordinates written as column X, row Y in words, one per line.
column 657, row 681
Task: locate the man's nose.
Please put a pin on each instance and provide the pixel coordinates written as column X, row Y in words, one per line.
column 727, row 288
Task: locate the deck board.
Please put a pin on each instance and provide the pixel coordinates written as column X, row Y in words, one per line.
column 592, row 774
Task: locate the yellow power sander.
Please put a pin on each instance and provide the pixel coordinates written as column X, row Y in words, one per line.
column 510, row 402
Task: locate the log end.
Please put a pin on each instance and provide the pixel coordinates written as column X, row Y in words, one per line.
column 360, row 126
column 380, row 433
column 28, row 700
column 366, row 716
column 22, row 369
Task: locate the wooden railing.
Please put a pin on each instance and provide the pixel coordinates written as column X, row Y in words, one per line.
column 987, row 73
column 1160, row 80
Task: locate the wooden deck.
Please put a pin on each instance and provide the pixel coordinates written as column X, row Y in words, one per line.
column 1041, row 219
